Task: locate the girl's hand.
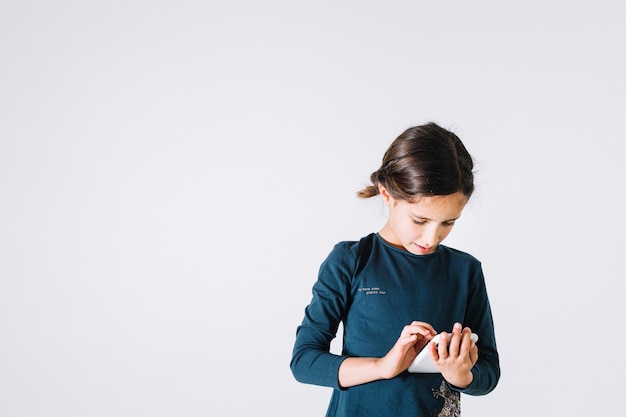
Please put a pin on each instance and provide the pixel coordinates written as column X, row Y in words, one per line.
column 412, row 339
column 456, row 360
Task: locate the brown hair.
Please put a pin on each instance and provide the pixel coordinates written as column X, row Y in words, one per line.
column 424, row 160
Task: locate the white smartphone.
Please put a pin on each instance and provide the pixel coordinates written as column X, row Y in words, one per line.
column 424, row 363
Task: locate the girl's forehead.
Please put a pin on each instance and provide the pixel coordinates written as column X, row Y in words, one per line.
column 449, row 206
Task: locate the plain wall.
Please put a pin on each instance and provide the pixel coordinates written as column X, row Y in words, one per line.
column 173, row 173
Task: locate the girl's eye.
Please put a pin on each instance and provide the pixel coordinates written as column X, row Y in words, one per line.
column 418, row 222
column 448, row 224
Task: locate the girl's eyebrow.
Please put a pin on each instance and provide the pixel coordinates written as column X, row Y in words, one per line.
column 426, row 218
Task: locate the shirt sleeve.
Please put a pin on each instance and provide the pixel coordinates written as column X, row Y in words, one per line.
column 311, row 361
column 479, row 318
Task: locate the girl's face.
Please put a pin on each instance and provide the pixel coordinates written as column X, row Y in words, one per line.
column 421, row 226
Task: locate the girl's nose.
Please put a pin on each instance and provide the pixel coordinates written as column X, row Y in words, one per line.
column 430, row 238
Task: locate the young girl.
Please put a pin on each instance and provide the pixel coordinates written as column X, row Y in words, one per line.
column 396, row 289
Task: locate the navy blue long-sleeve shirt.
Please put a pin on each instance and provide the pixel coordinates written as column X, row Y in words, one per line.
column 376, row 289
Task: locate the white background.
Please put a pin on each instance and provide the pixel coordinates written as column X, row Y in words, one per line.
column 173, row 173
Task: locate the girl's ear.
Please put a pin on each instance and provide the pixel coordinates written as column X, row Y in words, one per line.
column 387, row 198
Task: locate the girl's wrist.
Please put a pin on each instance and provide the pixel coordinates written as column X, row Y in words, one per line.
column 463, row 382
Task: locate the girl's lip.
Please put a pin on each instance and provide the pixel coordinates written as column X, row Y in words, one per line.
column 423, row 249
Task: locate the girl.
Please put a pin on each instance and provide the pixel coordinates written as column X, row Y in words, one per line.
column 396, row 289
